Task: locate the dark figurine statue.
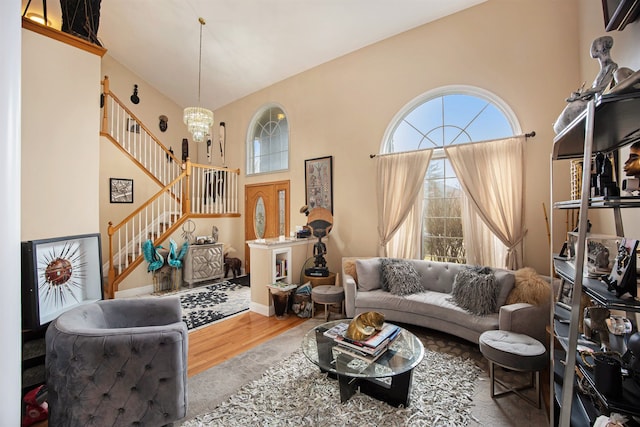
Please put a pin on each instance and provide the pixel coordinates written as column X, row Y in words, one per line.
column 232, row 264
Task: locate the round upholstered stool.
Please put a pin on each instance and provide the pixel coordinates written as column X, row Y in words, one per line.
column 517, row 352
column 327, row 295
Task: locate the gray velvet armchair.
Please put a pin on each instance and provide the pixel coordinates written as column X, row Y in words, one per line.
column 119, row 362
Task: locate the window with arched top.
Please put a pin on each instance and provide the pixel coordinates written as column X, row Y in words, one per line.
column 268, row 141
column 439, row 118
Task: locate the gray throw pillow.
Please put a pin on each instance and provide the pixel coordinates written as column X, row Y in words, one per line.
column 368, row 271
column 399, row 277
column 476, row 290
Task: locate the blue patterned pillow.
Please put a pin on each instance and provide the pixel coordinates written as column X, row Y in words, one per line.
column 399, row 277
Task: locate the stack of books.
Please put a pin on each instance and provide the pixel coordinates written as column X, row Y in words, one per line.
column 371, row 348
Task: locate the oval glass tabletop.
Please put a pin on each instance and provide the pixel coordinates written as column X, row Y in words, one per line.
column 403, row 354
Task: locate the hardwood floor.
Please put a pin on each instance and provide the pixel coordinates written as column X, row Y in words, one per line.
column 219, row 342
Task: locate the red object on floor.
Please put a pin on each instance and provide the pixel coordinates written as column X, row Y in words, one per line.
column 36, row 408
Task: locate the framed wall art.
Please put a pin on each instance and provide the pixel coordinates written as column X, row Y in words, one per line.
column 59, row 274
column 318, row 179
column 121, row 190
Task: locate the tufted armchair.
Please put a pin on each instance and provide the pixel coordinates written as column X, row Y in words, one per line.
column 119, row 362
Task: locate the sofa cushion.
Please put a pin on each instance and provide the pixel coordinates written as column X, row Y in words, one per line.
column 529, row 288
column 368, row 271
column 445, row 315
column 476, row 290
column 399, row 277
column 506, row 279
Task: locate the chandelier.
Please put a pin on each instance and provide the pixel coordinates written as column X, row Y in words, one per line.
column 198, row 120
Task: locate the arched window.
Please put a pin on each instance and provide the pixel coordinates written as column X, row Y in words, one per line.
column 268, row 141
column 447, row 116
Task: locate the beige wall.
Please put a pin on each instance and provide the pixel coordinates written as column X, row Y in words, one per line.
column 524, row 52
column 60, row 145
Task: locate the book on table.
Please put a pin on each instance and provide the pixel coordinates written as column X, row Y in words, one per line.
column 373, row 345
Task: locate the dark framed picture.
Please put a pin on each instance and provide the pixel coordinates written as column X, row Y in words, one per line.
column 121, row 190
column 565, row 294
column 59, row 274
column 318, row 180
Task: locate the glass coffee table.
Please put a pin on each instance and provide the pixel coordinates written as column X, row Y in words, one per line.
column 387, row 379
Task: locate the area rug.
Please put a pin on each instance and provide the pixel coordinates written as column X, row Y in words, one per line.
column 295, row 393
column 207, row 304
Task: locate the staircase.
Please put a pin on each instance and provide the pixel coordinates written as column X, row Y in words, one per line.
column 186, row 190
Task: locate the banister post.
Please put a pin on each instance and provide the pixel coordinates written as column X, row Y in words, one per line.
column 186, row 206
column 105, row 95
column 111, row 277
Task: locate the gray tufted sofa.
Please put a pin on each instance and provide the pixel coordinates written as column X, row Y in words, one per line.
column 432, row 308
column 119, row 362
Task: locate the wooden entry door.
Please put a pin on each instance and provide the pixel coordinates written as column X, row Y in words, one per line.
column 267, row 213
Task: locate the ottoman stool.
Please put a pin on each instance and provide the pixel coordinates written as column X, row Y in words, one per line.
column 517, row 352
column 327, row 295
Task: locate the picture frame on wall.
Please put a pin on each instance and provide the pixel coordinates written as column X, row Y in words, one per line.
column 121, row 190
column 59, row 274
column 318, row 180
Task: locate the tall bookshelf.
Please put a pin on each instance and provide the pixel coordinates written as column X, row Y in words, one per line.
column 607, row 124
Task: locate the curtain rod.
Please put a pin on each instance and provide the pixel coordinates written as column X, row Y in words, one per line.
column 526, row 135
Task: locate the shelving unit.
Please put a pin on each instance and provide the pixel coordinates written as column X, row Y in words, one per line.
column 607, row 124
column 281, row 260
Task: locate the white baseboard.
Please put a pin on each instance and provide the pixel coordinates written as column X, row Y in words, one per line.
column 262, row 309
column 135, row 292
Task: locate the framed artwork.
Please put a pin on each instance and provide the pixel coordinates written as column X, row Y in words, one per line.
column 132, row 125
column 59, row 274
column 121, row 190
column 565, row 294
column 318, row 179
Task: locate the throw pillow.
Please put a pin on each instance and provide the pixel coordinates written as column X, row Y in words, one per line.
column 368, row 271
column 400, row 277
column 529, row 288
column 350, row 269
column 476, row 290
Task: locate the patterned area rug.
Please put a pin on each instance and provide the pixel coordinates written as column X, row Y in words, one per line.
column 207, row 304
column 295, row 393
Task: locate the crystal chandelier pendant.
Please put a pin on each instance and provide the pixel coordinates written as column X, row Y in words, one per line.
column 198, row 120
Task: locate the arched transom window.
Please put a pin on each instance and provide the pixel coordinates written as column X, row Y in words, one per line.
column 447, row 116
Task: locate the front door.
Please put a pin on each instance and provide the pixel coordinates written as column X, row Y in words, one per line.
column 267, row 213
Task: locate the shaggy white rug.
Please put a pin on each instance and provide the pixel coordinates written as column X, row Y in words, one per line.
column 295, row 393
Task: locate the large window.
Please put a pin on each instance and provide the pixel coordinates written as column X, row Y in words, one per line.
column 268, row 141
column 447, row 116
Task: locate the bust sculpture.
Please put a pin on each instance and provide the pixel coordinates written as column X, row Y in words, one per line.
column 600, row 49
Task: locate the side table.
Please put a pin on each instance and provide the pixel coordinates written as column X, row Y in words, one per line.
column 318, row 281
column 280, row 294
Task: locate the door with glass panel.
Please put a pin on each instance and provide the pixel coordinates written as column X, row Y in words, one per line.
column 267, row 213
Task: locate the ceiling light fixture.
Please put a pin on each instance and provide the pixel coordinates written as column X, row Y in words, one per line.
column 199, row 120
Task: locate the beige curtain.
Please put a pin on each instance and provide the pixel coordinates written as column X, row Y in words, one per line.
column 400, row 180
column 492, row 176
column 476, row 235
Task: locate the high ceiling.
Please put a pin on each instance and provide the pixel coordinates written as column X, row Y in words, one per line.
column 247, row 44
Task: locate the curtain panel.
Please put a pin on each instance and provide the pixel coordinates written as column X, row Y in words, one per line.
column 492, row 176
column 400, row 181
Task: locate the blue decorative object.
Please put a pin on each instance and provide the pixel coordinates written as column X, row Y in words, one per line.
column 175, row 260
column 152, row 256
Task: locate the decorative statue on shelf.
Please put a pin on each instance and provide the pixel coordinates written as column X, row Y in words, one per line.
column 578, row 100
column 602, row 180
column 632, row 169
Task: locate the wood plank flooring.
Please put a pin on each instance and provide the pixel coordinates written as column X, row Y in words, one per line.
column 221, row 341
